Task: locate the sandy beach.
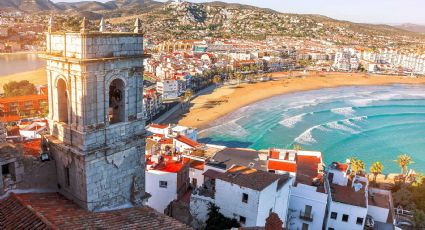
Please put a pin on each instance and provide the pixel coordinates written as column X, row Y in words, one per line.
column 37, row 77
column 207, row 108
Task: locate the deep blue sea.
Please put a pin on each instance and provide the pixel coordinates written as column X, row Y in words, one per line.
column 373, row 123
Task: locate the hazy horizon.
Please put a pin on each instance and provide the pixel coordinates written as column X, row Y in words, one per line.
column 390, row 12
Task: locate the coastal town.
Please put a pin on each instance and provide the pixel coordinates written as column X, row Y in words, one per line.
column 112, row 134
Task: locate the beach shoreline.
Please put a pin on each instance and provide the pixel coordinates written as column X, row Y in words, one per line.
column 224, row 100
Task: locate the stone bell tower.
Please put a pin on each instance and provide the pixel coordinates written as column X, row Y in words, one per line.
column 95, row 82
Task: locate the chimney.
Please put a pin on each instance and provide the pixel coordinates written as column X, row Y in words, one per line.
column 273, row 222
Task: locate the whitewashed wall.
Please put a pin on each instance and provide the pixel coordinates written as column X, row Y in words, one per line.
column 161, row 197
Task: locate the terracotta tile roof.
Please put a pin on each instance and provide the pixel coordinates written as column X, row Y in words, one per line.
column 250, row 178
column 282, row 166
column 347, row 195
column 167, row 164
column 32, row 147
column 53, row 211
column 197, row 164
column 187, row 141
column 158, row 126
column 15, row 215
column 23, row 98
column 307, row 167
column 210, row 173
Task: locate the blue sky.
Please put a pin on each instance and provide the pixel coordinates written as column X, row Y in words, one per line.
column 371, row 11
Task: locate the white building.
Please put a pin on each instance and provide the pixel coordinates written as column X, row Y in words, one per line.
column 308, row 197
column 173, row 130
column 167, row 179
column 346, row 60
column 169, row 89
column 246, row 194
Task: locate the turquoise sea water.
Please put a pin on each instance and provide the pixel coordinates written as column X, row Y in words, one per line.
column 373, row 123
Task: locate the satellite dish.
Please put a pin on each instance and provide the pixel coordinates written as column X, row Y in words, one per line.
column 357, row 187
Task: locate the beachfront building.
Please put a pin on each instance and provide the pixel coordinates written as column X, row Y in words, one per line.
column 15, row 108
column 346, row 60
column 352, row 204
column 348, row 202
column 169, row 89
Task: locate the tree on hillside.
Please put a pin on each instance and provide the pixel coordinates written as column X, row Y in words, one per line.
column 404, row 161
column 419, row 219
column 357, row 165
column 21, row 88
column 376, row 168
column 217, row 221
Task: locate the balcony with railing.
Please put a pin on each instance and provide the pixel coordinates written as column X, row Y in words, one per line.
column 306, row 216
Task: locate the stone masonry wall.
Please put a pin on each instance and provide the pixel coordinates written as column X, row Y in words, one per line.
column 116, row 177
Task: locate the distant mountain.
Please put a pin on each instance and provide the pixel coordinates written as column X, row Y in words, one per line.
column 412, row 27
column 28, row 5
column 33, row 6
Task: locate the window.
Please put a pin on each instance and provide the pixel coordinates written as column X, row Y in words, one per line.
column 334, row 215
column 331, row 228
column 194, row 182
column 245, row 198
column 242, row 219
column 345, row 218
column 359, row 221
column 67, row 180
column 163, row 184
column 305, row 226
column 5, row 169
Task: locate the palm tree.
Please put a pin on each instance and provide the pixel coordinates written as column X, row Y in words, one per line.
column 404, row 161
column 376, row 168
column 357, row 165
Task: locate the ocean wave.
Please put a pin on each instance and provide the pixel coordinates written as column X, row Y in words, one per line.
column 306, row 138
column 228, row 128
column 290, row 122
column 345, row 111
column 341, row 125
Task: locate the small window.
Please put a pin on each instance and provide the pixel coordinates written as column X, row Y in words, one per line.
column 163, row 184
column 67, row 177
column 345, row 218
column 305, row 226
column 242, row 219
column 334, row 215
column 5, row 169
column 359, row 221
column 245, row 198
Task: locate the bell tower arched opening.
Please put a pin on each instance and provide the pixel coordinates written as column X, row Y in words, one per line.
column 62, row 97
column 116, row 101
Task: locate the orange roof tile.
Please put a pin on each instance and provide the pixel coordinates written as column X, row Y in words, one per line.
column 23, row 98
column 187, row 141
column 54, row 211
column 282, row 166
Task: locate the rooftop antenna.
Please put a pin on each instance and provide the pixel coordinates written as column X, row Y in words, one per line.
column 102, row 25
